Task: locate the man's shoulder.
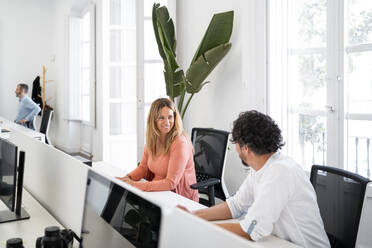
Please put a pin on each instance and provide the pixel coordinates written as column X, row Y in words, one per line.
column 26, row 98
column 284, row 165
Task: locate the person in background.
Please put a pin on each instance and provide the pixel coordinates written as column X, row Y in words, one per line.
column 27, row 109
column 168, row 160
column 276, row 197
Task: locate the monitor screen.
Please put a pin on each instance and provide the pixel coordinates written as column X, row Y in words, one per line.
column 8, row 170
column 116, row 217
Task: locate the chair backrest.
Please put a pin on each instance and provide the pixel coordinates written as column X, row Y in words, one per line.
column 45, row 121
column 45, row 124
column 340, row 196
column 210, row 146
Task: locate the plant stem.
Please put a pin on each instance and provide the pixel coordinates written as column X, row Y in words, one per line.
column 180, row 103
column 187, row 104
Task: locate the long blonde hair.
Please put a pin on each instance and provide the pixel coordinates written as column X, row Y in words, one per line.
column 152, row 131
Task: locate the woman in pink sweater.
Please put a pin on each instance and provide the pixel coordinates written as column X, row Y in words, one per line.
column 167, row 161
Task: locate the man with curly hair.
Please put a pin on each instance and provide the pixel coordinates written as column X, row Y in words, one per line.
column 276, row 197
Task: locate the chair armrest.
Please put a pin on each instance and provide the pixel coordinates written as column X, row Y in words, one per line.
column 206, row 183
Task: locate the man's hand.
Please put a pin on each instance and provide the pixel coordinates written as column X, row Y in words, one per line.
column 22, row 121
column 217, row 212
column 235, row 228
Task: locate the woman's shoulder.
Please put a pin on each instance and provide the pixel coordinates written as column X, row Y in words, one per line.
column 181, row 140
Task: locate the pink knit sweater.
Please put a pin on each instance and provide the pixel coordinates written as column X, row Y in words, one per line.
column 174, row 171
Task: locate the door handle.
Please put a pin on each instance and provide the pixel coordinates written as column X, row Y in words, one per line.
column 330, row 108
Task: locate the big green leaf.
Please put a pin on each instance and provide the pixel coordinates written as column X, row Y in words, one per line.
column 156, row 30
column 167, row 26
column 203, row 66
column 218, row 32
column 165, row 37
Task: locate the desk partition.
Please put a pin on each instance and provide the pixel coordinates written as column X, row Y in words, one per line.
column 116, row 217
column 55, row 179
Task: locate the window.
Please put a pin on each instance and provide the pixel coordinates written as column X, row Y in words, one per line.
column 81, row 89
column 153, row 68
column 320, row 82
column 135, row 78
column 358, row 85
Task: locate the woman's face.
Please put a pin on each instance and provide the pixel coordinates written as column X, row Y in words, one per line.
column 165, row 121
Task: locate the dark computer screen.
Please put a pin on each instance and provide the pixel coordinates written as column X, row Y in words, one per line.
column 8, row 170
column 116, row 217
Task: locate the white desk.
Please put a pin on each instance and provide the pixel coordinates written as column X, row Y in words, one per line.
column 171, row 199
column 11, row 126
column 29, row 230
column 168, row 198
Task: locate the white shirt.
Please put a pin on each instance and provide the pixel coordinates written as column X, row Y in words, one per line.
column 279, row 199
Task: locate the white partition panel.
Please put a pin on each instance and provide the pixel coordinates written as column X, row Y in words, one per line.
column 182, row 230
column 364, row 238
column 234, row 172
column 55, row 179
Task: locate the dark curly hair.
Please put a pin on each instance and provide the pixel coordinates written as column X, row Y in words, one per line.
column 258, row 131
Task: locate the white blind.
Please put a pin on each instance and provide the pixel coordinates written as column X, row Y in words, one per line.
column 74, row 65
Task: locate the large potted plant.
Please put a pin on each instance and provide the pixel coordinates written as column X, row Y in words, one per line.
column 212, row 49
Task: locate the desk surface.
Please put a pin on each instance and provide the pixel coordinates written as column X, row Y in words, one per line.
column 29, row 230
column 169, row 198
column 172, row 199
column 11, row 126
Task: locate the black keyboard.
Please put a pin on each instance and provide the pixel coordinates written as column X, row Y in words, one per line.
column 201, row 177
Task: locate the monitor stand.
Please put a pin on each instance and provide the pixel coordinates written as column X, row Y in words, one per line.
column 8, row 216
column 19, row 213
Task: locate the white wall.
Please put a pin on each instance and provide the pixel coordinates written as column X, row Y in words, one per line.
column 73, row 136
column 33, row 34
column 33, row 31
column 64, row 134
column 24, row 49
column 238, row 82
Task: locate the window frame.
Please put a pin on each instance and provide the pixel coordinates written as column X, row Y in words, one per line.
column 74, row 92
column 336, row 81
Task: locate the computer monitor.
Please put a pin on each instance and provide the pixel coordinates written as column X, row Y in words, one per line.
column 117, row 217
column 10, row 188
column 8, row 171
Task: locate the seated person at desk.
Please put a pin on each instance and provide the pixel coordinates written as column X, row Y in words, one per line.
column 276, row 197
column 27, row 109
column 167, row 162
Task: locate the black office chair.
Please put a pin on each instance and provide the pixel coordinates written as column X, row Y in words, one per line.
column 45, row 124
column 340, row 196
column 210, row 146
column 30, row 124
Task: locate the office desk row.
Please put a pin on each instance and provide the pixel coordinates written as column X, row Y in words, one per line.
column 11, row 126
column 171, row 200
column 58, row 182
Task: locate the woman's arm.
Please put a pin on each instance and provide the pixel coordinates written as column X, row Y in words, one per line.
column 141, row 171
column 178, row 157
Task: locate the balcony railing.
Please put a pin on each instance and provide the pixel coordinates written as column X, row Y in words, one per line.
column 358, row 159
column 361, row 161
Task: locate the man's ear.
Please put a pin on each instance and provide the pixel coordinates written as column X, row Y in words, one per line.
column 245, row 148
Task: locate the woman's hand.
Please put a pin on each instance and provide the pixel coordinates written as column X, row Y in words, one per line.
column 184, row 209
column 126, row 179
